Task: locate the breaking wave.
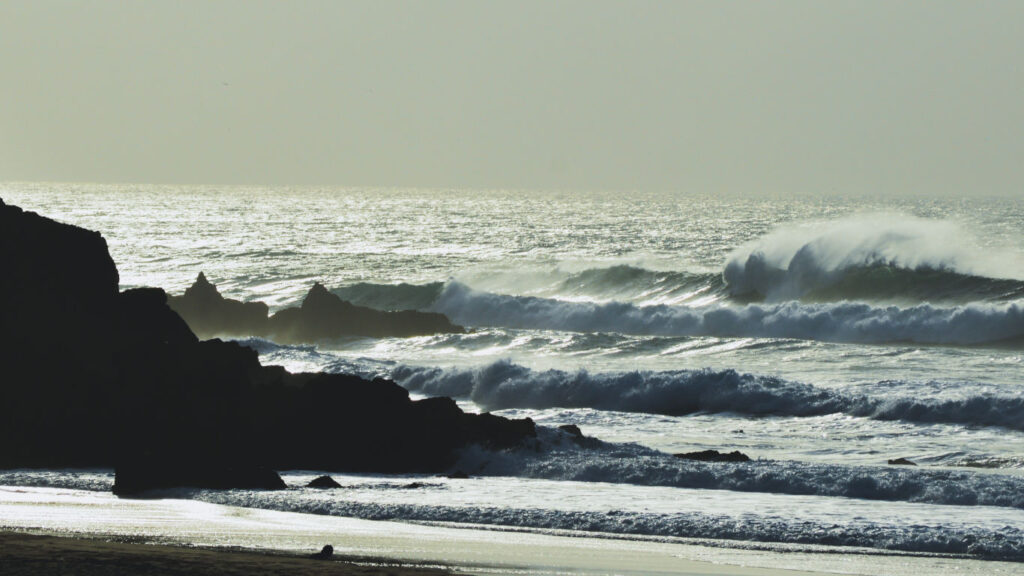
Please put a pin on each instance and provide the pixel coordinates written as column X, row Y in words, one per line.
column 503, row 385
column 969, row 324
column 877, row 257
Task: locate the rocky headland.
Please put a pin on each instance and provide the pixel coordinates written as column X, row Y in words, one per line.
column 321, row 316
column 96, row 377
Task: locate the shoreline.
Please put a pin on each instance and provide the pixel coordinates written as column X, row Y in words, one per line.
column 80, row 521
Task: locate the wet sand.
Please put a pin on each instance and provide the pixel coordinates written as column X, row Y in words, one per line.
column 24, row 554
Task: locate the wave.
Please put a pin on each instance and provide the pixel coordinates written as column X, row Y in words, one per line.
column 559, row 458
column 871, row 257
column 504, row 385
column 630, row 283
column 554, row 456
column 853, row 322
column 620, row 282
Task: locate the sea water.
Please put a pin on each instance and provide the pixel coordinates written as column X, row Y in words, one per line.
column 820, row 336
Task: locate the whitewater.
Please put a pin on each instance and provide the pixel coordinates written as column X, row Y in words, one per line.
column 822, row 337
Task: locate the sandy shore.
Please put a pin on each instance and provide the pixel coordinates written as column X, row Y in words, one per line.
column 24, row 554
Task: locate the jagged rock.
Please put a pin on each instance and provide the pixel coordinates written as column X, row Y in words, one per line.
column 325, row 316
column 209, row 314
column 322, row 316
column 93, row 377
column 714, row 456
column 323, row 482
column 901, row 462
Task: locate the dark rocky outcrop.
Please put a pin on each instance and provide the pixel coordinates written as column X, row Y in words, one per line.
column 90, row 376
column 139, row 477
column 322, row 316
column 572, row 430
column 323, row 482
column 901, row 462
column 714, row 456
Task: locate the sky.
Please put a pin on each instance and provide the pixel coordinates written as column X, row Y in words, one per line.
column 836, row 97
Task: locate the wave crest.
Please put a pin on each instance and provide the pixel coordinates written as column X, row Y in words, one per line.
column 505, row 385
column 870, row 256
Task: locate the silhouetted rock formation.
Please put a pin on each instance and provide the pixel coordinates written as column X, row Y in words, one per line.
column 714, row 456
column 136, row 478
column 210, row 314
column 322, row 316
column 901, row 462
column 93, row 377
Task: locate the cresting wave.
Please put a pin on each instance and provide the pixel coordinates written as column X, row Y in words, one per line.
column 969, row 324
column 503, row 385
column 878, row 256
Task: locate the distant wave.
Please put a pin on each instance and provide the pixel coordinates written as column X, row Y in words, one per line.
column 836, row 322
column 620, row 282
column 503, row 385
column 630, row 283
column 871, row 257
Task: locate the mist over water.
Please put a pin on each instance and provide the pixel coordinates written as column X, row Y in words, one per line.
column 822, row 337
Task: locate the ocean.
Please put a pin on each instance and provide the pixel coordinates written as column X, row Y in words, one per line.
column 821, row 336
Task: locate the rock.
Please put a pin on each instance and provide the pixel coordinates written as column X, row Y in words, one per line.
column 325, row 553
column 325, row 316
column 901, row 462
column 322, row 316
column 323, row 482
column 714, row 456
column 572, row 429
column 209, row 314
column 140, row 477
column 90, row 377
column 457, row 475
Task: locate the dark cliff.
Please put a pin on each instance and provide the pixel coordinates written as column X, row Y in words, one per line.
column 93, row 377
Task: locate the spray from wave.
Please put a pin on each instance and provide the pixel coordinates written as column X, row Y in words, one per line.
column 877, row 255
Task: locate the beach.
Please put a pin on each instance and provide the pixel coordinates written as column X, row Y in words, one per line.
column 160, row 536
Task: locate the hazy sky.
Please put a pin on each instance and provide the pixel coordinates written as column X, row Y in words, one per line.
column 760, row 97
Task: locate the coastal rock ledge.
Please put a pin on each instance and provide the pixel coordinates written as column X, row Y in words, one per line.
column 100, row 378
